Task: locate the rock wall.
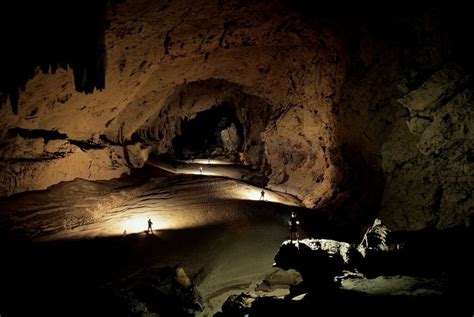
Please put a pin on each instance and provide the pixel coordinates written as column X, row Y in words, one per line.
column 35, row 163
column 411, row 122
column 427, row 158
column 351, row 112
column 252, row 112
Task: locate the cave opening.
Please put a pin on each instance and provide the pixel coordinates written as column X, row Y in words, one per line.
column 215, row 132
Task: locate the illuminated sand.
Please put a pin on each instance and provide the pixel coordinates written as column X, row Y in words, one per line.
column 89, row 235
column 82, row 209
column 216, row 228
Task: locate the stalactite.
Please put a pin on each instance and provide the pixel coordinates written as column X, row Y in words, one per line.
column 66, row 34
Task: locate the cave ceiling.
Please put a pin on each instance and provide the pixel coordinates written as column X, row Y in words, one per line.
column 360, row 108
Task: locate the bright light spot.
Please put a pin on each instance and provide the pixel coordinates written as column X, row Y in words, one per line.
column 138, row 223
column 135, row 225
column 209, row 161
column 248, row 192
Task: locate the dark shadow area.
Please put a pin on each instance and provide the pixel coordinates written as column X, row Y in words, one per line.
column 439, row 261
column 440, row 253
column 394, row 20
column 443, row 254
column 348, row 303
column 355, row 202
column 72, row 277
column 47, row 135
column 201, row 136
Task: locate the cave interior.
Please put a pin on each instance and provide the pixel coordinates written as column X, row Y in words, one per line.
column 211, row 133
column 152, row 154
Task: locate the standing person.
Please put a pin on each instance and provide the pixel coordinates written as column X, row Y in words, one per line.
column 150, row 229
column 200, row 169
column 262, row 195
column 294, row 222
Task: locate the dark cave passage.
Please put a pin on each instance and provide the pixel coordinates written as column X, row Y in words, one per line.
column 212, row 119
column 216, row 132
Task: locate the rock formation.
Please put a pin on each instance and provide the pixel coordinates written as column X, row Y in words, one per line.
column 354, row 112
column 36, row 163
column 166, row 291
column 319, row 261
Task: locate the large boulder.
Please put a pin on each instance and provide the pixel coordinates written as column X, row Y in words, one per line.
column 318, row 260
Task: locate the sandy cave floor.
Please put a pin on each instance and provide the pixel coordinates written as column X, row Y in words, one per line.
column 84, row 235
column 216, row 228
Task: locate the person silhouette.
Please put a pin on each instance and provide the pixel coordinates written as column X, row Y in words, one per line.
column 200, row 169
column 293, row 223
column 150, row 229
column 262, row 195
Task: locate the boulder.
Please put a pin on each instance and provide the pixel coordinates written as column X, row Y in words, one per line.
column 167, row 291
column 318, row 260
column 236, row 306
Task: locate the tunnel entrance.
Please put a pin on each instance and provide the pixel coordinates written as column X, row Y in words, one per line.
column 215, row 132
column 210, row 119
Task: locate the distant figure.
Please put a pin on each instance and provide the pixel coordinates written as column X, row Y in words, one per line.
column 208, row 160
column 262, row 195
column 200, row 169
column 150, row 229
column 294, row 227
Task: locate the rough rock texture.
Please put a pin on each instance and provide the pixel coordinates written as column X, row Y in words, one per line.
column 155, row 51
column 230, row 139
column 236, row 305
column 252, row 112
column 428, row 160
column 414, row 133
column 429, row 253
column 354, row 114
column 375, row 238
column 318, row 260
column 34, row 163
column 333, row 248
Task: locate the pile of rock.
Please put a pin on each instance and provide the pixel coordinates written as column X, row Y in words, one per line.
column 167, row 291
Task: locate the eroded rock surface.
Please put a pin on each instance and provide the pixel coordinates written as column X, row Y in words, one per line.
column 354, row 115
column 35, row 163
column 428, row 156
